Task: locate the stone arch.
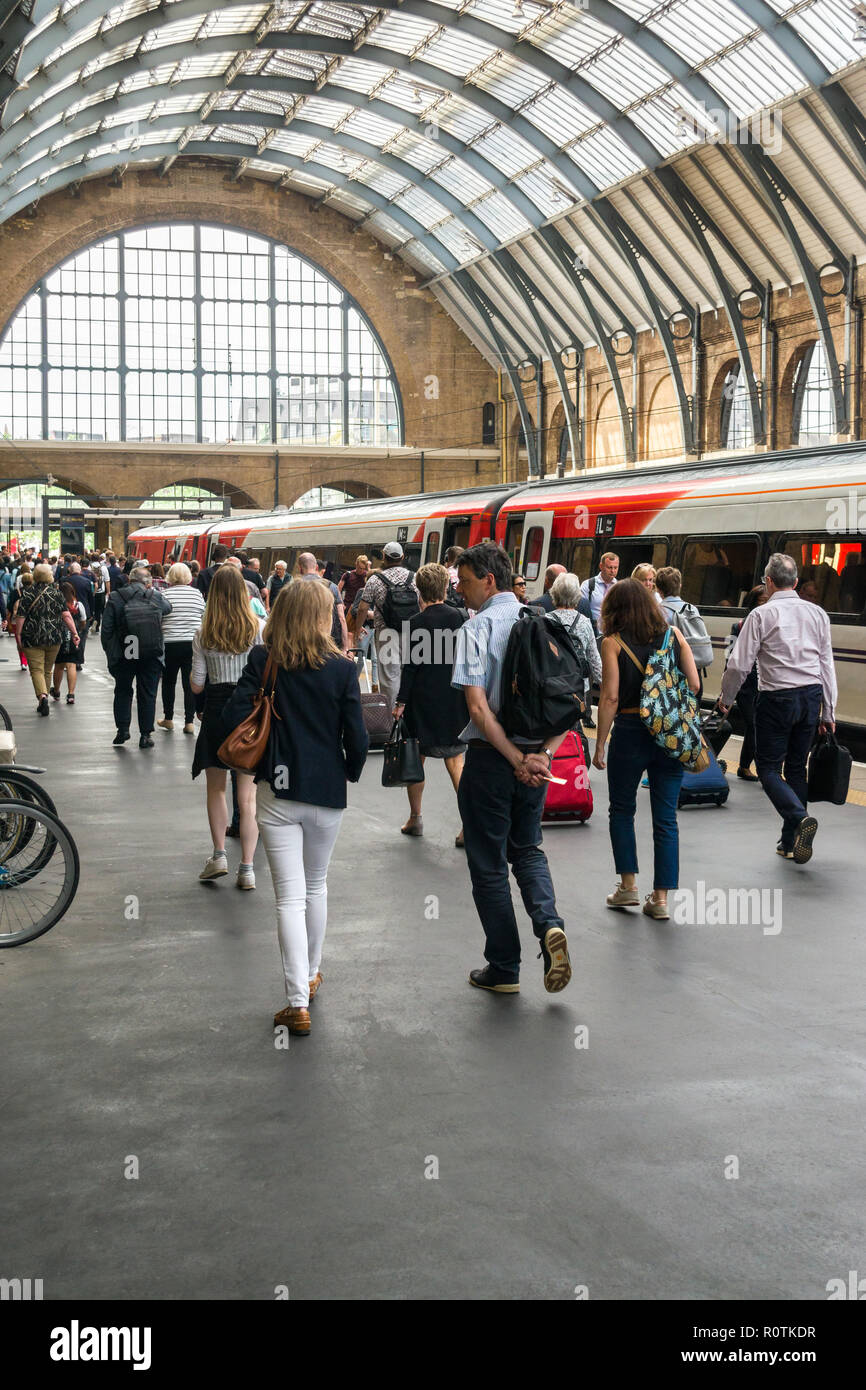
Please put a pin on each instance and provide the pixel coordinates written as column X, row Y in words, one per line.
column 607, row 432
column 664, row 436
column 713, row 429
column 788, row 428
column 551, row 439
column 354, row 489
column 219, row 487
column 517, row 446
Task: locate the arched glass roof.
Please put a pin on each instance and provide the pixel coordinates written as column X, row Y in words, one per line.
column 560, row 173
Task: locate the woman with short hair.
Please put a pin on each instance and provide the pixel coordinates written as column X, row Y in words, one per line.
column 220, row 648
column 634, row 628
column 434, row 710
column 565, row 597
column 318, row 743
column 646, row 575
column 179, row 627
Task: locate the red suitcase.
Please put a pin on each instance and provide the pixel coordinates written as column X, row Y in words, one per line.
column 573, row 802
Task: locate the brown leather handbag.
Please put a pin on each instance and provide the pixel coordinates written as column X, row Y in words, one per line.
column 247, row 745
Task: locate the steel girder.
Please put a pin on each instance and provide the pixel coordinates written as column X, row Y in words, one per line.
column 483, row 307
column 408, row 171
column 154, row 152
column 698, row 225
column 775, row 194
column 562, row 254
column 140, row 97
column 635, row 251
column 529, row 292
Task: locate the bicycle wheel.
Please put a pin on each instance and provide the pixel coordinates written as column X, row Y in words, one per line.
column 25, row 788
column 39, row 871
column 5, row 718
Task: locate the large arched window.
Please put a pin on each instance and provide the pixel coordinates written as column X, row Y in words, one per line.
column 735, row 425
column 193, row 333
column 812, row 416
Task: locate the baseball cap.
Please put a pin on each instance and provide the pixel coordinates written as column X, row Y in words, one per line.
column 393, row 550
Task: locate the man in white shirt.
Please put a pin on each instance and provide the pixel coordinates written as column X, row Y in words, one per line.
column 790, row 640
column 595, row 589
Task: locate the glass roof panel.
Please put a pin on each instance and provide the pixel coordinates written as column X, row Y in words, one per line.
column 422, row 207
column 603, row 157
column 501, row 216
column 506, row 150
column 829, row 29
column 461, row 180
column 401, row 32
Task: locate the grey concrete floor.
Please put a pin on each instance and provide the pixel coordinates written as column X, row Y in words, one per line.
column 559, row 1165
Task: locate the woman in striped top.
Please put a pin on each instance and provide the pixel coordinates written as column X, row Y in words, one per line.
column 219, row 654
column 179, row 627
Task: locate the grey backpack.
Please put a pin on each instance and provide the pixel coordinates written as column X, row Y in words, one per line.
column 693, row 628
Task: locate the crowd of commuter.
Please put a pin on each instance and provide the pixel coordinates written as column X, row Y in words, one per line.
column 234, row 636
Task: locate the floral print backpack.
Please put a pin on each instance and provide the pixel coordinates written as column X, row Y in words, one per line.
column 668, row 709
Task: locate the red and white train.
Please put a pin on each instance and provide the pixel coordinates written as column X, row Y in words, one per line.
column 716, row 521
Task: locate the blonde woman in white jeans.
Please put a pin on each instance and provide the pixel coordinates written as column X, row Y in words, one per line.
column 318, row 744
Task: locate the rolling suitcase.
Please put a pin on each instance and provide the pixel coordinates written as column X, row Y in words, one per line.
column 573, row 802
column 707, row 788
column 375, row 712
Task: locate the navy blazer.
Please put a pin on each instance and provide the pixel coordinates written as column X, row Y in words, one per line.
column 319, row 741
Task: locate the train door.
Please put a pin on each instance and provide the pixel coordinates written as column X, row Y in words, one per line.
column 533, row 555
column 431, row 541
column 455, row 531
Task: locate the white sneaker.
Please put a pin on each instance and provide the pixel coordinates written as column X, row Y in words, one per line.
column 246, row 878
column 623, row 897
column 216, row 867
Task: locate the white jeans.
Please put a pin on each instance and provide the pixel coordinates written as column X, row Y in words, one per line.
column 299, row 840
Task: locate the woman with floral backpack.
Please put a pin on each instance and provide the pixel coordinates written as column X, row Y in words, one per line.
column 655, row 736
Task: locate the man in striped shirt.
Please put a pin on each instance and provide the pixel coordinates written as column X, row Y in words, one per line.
column 502, row 789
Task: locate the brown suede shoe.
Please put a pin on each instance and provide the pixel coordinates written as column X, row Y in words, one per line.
column 296, row 1020
column 315, row 984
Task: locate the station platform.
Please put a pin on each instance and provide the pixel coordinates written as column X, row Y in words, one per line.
column 684, row 1121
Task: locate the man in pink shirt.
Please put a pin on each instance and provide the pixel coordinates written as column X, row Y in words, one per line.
column 790, row 640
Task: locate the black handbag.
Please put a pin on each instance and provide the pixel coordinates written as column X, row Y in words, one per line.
column 829, row 771
column 402, row 764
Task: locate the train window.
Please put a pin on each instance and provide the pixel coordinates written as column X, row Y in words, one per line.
column 643, row 550
column 533, row 551
column 413, row 556
column 832, row 572
column 718, row 573
column 513, row 538
column 431, row 555
column 575, row 555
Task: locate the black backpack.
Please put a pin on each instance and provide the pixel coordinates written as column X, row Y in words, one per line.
column 400, row 603
column 544, row 676
column 142, row 620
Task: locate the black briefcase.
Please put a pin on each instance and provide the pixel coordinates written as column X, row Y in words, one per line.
column 829, row 771
column 402, row 765
column 716, row 729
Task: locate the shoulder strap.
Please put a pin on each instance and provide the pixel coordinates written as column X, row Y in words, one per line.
column 591, row 586
column 628, row 651
column 574, row 624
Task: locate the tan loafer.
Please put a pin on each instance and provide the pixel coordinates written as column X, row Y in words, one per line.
column 315, row 985
column 189, row 728
column 296, row 1020
column 167, row 724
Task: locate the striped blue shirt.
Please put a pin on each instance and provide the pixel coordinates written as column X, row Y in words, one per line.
column 480, row 652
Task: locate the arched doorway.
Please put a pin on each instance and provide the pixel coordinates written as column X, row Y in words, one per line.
column 664, row 436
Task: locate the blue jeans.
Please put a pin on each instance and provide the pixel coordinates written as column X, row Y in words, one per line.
column 785, row 723
column 633, row 752
column 501, row 826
